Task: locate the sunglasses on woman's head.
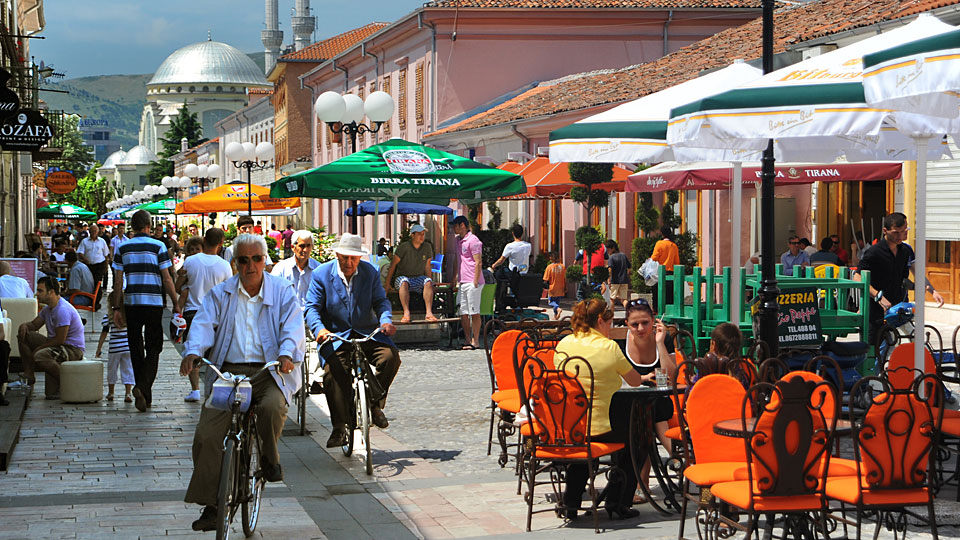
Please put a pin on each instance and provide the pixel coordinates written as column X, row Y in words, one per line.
column 638, row 302
column 243, row 259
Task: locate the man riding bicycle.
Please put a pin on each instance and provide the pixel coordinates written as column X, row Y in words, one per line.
column 346, row 297
column 244, row 322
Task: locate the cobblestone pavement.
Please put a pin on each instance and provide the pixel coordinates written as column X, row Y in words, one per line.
column 106, row 471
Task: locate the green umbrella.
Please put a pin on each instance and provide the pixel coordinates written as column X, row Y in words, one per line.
column 162, row 207
column 64, row 211
column 401, row 170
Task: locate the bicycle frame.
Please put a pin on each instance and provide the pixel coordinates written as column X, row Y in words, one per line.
column 362, row 400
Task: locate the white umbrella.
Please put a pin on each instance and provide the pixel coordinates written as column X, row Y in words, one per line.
column 816, row 109
column 637, row 131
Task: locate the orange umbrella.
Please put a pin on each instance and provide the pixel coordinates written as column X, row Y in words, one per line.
column 552, row 180
column 232, row 197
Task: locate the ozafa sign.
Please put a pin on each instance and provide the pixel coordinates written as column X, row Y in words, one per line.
column 798, row 323
column 61, row 182
column 26, row 131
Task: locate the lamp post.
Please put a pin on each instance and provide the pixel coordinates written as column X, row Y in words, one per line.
column 202, row 174
column 769, row 310
column 344, row 114
column 249, row 157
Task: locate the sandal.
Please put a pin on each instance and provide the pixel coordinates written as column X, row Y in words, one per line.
column 109, row 397
column 430, row 318
column 468, row 347
column 405, row 319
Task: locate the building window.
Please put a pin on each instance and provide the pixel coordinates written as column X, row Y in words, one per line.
column 388, row 89
column 219, row 89
column 939, row 251
column 402, row 99
column 193, row 89
column 418, row 96
column 179, row 89
column 206, row 88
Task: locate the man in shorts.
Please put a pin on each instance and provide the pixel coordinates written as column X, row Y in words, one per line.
column 619, row 281
column 470, row 249
column 411, row 266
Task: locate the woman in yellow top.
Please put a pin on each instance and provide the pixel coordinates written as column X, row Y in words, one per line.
column 591, row 326
column 665, row 252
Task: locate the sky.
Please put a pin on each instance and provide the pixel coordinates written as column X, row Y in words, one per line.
column 106, row 37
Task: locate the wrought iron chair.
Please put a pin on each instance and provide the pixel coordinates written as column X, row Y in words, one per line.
column 786, row 440
column 505, row 398
column 894, row 445
column 562, row 409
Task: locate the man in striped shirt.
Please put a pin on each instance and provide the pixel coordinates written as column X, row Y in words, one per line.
column 144, row 261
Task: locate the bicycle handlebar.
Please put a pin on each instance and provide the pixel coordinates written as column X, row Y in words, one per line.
column 368, row 337
column 235, row 378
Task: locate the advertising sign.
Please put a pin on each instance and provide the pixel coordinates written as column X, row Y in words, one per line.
column 61, row 182
column 9, row 101
column 24, row 268
column 798, row 323
column 26, row 131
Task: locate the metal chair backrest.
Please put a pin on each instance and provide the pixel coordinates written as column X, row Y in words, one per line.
column 501, row 358
column 787, row 449
column 894, row 438
column 714, row 398
column 561, row 405
column 827, row 368
column 902, row 357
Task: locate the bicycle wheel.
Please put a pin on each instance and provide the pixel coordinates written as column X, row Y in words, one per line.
column 226, row 494
column 253, row 478
column 348, row 448
column 363, row 422
column 303, row 394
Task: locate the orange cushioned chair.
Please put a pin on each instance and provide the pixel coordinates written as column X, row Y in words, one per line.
column 786, row 451
column 714, row 458
column 92, row 297
column 505, row 398
column 893, row 445
column 562, row 414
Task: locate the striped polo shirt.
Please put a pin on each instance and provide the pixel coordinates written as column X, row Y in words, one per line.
column 141, row 259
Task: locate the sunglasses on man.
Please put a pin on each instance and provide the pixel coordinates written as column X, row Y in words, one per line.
column 243, row 259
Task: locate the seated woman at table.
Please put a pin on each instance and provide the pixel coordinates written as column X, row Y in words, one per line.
column 591, row 324
column 647, row 350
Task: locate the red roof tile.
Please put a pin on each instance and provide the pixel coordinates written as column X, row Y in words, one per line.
column 792, row 25
column 330, row 47
column 594, row 4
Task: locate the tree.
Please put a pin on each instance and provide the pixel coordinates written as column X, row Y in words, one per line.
column 590, row 174
column 76, row 156
column 91, row 193
column 184, row 125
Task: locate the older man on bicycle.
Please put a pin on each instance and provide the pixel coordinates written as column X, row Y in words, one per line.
column 244, row 322
column 346, row 297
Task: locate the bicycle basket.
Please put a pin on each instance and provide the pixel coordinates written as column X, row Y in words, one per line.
column 223, row 394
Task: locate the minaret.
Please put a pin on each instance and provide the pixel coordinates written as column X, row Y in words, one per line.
column 271, row 36
column 303, row 25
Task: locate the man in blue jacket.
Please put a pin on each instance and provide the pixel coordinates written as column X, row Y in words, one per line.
column 346, row 297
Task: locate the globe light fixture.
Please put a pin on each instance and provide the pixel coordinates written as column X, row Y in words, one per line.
column 191, row 170
column 344, row 114
column 247, row 156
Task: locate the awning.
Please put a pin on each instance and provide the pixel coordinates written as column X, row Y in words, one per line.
column 719, row 175
column 547, row 180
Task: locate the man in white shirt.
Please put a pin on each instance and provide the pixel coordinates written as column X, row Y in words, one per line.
column 204, row 271
column 516, row 254
column 93, row 251
column 298, row 269
column 12, row 286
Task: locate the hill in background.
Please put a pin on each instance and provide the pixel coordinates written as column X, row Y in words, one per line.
column 119, row 99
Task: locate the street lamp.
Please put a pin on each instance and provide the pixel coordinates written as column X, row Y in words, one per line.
column 344, row 114
column 249, row 157
column 769, row 310
column 203, row 174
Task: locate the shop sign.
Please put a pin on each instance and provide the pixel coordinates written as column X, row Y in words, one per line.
column 26, row 131
column 798, row 322
column 9, row 101
column 61, row 182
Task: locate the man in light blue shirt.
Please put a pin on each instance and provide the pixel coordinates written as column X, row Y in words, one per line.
column 298, row 269
column 81, row 280
column 794, row 257
column 251, row 318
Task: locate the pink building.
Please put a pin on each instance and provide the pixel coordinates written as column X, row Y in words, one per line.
column 449, row 61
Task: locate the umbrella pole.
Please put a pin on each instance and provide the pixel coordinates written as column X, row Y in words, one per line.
column 376, row 224
column 396, row 233
column 737, row 227
column 920, row 267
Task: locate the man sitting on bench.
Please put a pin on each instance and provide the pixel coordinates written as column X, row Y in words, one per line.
column 411, row 264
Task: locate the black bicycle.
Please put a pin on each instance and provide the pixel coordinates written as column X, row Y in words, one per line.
column 366, row 390
column 300, row 397
column 241, row 477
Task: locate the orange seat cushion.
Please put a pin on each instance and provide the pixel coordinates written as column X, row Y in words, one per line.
column 842, row 467
column 738, row 494
column 708, row 474
column 947, row 413
column 501, row 395
column 528, row 428
column 509, row 405
column 845, row 489
column 597, row 449
column 674, row 433
column 950, row 426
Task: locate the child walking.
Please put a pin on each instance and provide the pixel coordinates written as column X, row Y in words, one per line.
column 555, row 281
column 119, row 355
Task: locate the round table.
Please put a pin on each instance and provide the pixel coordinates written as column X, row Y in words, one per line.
column 734, row 427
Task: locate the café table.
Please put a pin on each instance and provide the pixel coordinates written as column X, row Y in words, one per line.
column 642, row 442
column 735, row 427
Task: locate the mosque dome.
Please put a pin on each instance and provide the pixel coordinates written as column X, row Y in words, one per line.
column 113, row 159
column 209, row 62
column 138, row 155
